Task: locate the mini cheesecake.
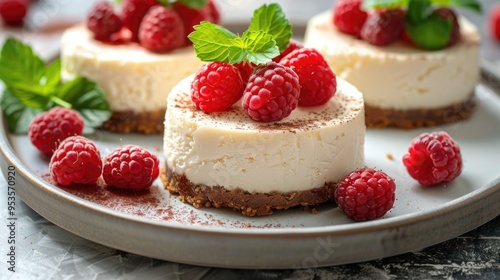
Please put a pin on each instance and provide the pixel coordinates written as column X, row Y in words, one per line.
column 228, row 160
column 134, row 80
column 403, row 86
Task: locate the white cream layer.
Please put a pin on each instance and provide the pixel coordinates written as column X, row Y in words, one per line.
column 398, row 76
column 132, row 78
column 301, row 152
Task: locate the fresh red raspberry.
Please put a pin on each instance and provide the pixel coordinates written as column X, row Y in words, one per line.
column 449, row 14
column 48, row 129
column 383, row 27
column 103, row 21
column 272, row 93
column 216, row 87
column 318, row 83
column 76, row 161
column 246, row 70
column 161, row 30
column 13, row 12
column 349, row 17
column 191, row 17
column 130, row 167
column 433, row 158
column 293, row 45
column 494, row 22
column 133, row 12
column 365, row 194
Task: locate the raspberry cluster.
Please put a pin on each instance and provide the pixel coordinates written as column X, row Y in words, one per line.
column 382, row 26
column 268, row 92
column 154, row 26
column 77, row 160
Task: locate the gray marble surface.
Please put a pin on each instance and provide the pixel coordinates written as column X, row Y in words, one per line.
column 45, row 251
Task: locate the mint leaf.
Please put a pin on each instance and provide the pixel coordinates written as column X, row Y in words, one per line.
column 197, row 4
column 419, row 10
column 87, row 99
column 379, row 4
column 212, row 42
column 468, row 4
column 433, row 33
column 260, row 45
column 17, row 116
column 31, row 88
column 272, row 20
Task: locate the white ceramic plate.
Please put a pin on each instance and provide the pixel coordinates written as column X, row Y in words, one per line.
column 156, row 224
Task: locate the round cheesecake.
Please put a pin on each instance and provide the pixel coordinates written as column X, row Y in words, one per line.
column 228, row 160
column 134, row 80
column 403, row 86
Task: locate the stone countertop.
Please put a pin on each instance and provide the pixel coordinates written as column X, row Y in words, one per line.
column 46, row 251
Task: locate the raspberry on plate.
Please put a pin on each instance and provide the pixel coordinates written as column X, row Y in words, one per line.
column 433, row 158
column 133, row 12
column 13, row 12
column 494, row 22
column 76, row 161
column 103, row 21
column 161, row 30
column 349, row 17
column 216, row 87
column 383, row 27
column 130, row 167
column 272, row 93
column 365, row 194
column 318, row 83
column 48, row 129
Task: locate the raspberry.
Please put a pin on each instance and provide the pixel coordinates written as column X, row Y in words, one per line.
column 161, row 30
column 130, row 167
column 191, row 17
column 494, row 22
column 13, row 12
column 293, row 45
column 448, row 14
column 365, row 194
column 348, row 16
column 383, row 27
column 317, row 81
column 48, row 129
column 102, row 21
column 216, row 87
column 272, row 93
column 77, row 160
column 133, row 12
column 246, row 70
column 433, row 158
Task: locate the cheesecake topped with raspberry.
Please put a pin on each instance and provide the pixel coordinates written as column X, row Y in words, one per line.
column 136, row 56
column 416, row 63
column 255, row 135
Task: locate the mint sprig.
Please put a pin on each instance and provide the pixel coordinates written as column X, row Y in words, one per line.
column 269, row 33
column 31, row 87
column 197, row 4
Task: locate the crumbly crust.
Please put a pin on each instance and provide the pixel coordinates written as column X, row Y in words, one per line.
column 132, row 122
column 409, row 119
column 249, row 204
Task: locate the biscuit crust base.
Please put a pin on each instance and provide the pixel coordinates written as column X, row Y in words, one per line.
column 133, row 122
column 249, row 204
column 409, row 119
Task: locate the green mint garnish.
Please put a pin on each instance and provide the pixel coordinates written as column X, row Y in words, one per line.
column 31, row 87
column 268, row 33
column 272, row 20
column 193, row 3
